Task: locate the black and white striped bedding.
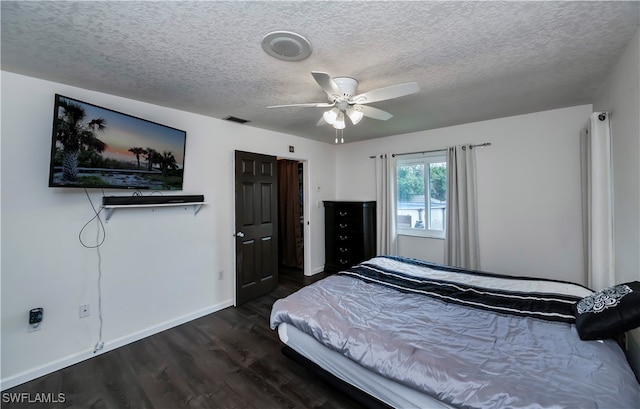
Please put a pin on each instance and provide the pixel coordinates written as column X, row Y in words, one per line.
column 523, row 296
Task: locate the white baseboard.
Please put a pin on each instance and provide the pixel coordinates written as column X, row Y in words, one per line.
column 316, row 270
column 50, row 367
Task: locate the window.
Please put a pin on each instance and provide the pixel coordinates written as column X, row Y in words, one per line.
column 422, row 194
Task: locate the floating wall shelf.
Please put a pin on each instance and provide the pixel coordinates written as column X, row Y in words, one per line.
column 109, row 209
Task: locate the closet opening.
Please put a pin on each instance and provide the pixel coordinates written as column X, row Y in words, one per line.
column 291, row 219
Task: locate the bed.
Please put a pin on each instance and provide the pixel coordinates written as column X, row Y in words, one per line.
column 409, row 333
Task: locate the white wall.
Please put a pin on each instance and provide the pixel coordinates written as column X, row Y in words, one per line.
column 159, row 267
column 528, row 189
column 620, row 95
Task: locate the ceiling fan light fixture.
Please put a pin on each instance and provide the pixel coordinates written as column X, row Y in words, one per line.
column 355, row 115
column 342, row 101
column 331, row 115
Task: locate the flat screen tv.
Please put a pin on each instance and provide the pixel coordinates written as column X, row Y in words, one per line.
column 95, row 147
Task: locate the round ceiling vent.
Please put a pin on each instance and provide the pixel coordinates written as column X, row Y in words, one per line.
column 287, row 46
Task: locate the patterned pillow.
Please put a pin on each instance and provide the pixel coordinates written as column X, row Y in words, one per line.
column 609, row 312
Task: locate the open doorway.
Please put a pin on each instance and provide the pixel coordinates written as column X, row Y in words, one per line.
column 291, row 218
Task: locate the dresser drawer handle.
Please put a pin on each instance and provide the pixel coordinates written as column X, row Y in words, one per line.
column 343, row 213
column 343, row 237
column 344, row 262
column 342, row 225
column 343, row 250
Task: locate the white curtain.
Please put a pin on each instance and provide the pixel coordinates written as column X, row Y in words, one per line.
column 597, row 201
column 461, row 242
column 387, row 242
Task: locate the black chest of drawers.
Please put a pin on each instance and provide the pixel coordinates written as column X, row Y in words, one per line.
column 350, row 234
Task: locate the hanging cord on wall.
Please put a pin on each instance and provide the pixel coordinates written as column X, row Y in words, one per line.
column 100, row 343
column 101, row 235
column 100, row 225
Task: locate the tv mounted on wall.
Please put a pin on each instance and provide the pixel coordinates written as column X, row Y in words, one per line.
column 95, row 147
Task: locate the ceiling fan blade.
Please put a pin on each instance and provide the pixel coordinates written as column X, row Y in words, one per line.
column 375, row 113
column 312, row 104
column 381, row 94
column 327, row 83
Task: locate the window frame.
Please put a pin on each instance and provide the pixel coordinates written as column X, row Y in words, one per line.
column 426, row 158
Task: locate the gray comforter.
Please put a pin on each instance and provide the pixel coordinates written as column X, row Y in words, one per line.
column 461, row 355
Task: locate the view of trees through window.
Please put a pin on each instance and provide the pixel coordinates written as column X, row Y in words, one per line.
column 414, row 178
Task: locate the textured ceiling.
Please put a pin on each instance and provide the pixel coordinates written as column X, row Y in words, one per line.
column 472, row 60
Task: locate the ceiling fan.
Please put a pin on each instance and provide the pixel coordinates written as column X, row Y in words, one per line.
column 343, row 101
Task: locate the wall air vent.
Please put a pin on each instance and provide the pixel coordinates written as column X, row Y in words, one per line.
column 236, row 119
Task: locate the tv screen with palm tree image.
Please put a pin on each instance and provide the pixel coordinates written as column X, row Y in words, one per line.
column 95, row 147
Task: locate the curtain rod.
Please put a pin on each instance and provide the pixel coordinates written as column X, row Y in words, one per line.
column 434, row 150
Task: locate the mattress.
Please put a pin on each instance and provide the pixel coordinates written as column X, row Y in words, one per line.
column 387, row 391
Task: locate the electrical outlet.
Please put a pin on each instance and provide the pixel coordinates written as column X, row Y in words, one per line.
column 85, row 310
column 220, row 275
column 35, row 319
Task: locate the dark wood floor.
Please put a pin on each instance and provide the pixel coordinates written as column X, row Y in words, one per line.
column 229, row 359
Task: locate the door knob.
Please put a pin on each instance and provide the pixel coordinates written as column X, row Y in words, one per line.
column 240, row 234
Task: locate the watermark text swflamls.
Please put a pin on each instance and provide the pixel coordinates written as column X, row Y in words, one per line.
column 25, row 397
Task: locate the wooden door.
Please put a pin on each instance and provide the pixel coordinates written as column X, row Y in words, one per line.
column 256, row 225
